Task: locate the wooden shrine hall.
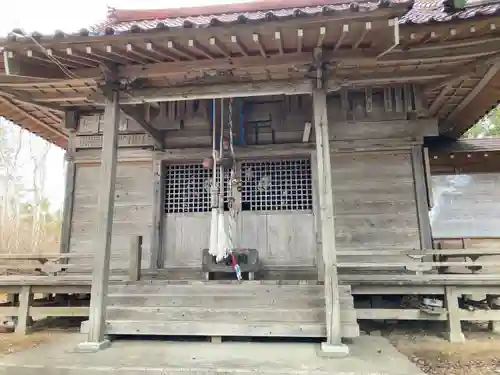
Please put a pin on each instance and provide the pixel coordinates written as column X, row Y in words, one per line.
column 325, row 107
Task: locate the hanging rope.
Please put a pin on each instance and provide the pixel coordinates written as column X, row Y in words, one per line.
column 222, row 243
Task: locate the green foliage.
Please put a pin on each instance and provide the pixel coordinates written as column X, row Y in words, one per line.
column 488, row 126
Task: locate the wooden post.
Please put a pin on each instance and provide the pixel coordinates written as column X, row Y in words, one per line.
column 105, row 208
column 455, row 334
column 421, row 199
column 156, row 247
column 135, row 258
column 333, row 345
column 68, row 195
column 23, row 314
column 494, row 325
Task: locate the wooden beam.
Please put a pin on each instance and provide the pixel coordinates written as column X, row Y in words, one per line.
column 476, row 90
column 157, row 234
column 168, row 94
column 332, row 298
column 134, row 272
column 455, row 334
column 23, row 315
column 103, row 235
column 69, row 194
column 421, row 199
column 140, row 118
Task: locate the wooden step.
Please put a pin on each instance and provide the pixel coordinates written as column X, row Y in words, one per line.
column 224, row 309
column 161, row 300
column 309, row 315
column 223, row 329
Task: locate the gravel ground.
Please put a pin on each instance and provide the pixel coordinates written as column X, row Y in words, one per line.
column 425, row 345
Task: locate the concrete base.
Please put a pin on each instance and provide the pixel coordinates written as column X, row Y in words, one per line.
column 92, row 347
column 333, row 351
column 369, row 355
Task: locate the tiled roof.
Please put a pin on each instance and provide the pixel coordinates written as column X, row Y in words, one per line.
column 120, row 21
column 422, row 11
column 426, row 11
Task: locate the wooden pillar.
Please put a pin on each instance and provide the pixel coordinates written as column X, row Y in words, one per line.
column 156, row 246
column 333, row 345
column 102, row 239
column 23, row 314
column 421, row 199
column 455, row 334
column 134, row 272
column 68, row 195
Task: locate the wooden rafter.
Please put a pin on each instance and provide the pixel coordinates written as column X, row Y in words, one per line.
column 300, row 40
column 237, row 42
column 476, row 90
column 201, row 49
column 465, row 71
column 279, row 42
column 438, row 102
column 179, row 51
column 368, row 27
column 33, row 118
column 152, row 48
column 257, row 41
column 220, row 46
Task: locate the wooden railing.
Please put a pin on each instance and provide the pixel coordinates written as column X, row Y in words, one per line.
column 419, row 261
column 57, row 278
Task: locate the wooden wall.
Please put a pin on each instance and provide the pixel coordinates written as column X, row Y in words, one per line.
column 133, row 210
column 375, row 200
column 375, row 196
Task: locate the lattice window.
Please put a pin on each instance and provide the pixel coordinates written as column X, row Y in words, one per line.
column 187, row 188
column 276, row 185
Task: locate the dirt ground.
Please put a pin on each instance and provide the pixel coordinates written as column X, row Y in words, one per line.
column 425, row 345
column 422, row 342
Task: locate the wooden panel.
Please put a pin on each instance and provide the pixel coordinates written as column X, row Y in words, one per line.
column 281, row 238
column 186, row 235
column 132, row 215
column 374, row 201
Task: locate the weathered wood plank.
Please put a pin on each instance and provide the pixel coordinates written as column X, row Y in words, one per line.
column 23, row 312
column 226, row 329
column 421, row 199
column 105, row 207
column 236, row 314
column 159, row 300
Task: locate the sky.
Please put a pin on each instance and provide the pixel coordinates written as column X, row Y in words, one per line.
column 69, row 16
